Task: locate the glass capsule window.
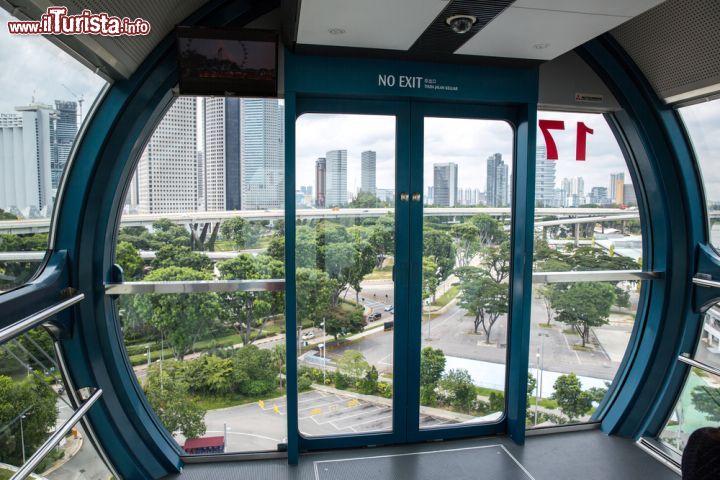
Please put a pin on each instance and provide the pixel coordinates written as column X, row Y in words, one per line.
column 586, row 219
column 43, row 102
column 205, row 204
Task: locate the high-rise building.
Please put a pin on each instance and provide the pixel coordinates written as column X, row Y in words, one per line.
column 445, row 184
column 336, row 178
column 66, row 127
column 201, row 180
column 263, row 153
column 497, row 194
column 26, row 151
column 368, row 172
column 167, row 171
column 617, row 183
column 629, row 195
column 222, row 153
column 320, row 182
column 544, row 179
column 599, row 195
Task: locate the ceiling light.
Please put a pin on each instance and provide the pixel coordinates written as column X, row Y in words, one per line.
column 541, row 46
column 461, row 23
column 336, row 31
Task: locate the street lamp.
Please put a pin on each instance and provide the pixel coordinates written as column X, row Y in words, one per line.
column 324, row 349
column 427, row 306
column 539, row 360
column 22, row 438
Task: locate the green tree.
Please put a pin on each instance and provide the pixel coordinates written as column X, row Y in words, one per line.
column 572, row 400
column 353, row 364
column 430, row 280
column 432, row 366
column 382, row 238
column 367, row 200
column 248, row 312
column 167, row 392
column 166, row 232
column 179, row 256
column 458, row 389
column 276, row 247
column 484, row 298
column 707, row 400
column 341, row 322
column 584, row 305
column 496, row 259
column 369, row 383
column 254, row 370
column 490, row 230
column 7, row 215
column 277, row 356
column 439, row 244
column 38, row 402
column 216, row 373
column 466, row 237
column 181, row 318
column 242, row 233
column 317, row 295
column 129, row 260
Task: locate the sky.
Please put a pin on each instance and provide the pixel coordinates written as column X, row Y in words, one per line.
column 32, row 67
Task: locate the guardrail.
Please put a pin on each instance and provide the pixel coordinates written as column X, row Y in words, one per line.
column 196, row 286
column 594, row 276
column 27, row 323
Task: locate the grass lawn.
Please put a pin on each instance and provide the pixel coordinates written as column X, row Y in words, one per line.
column 445, row 298
column 5, row 474
column 214, row 402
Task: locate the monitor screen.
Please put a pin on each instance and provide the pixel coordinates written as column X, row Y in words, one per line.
column 227, row 62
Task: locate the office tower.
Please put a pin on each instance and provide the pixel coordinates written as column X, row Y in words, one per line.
column 167, row 171
column 445, row 181
column 497, row 194
column 66, row 127
column 26, row 151
column 617, row 183
column 544, row 179
column 222, row 153
column 599, row 195
column 263, row 153
column 320, row 179
column 201, row 180
column 368, row 172
column 629, row 195
column 386, row 195
column 336, row 178
column 429, row 198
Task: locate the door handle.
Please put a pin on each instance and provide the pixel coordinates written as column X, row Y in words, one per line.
column 416, row 197
column 404, row 197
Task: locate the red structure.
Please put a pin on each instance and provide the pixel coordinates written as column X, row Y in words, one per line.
column 195, row 446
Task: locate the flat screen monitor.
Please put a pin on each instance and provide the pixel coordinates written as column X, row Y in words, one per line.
column 227, row 62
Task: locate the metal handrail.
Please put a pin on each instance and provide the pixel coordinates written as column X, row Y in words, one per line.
column 196, row 286
column 55, row 438
column 27, row 323
column 594, row 276
column 685, row 358
column 706, row 282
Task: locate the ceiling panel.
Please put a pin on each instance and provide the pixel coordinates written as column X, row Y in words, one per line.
column 623, row 8
column 546, row 31
column 384, row 24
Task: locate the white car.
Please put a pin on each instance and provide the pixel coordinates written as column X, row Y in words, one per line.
column 389, row 308
column 308, row 335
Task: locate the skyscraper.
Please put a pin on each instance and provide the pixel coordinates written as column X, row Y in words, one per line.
column 497, row 194
column 201, row 180
column 336, row 178
column 320, row 179
column 629, row 195
column 222, row 153
column 167, row 172
column 66, row 128
column 445, row 184
column 544, row 179
column 26, row 148
column 368, row 172
column 598, row 195
column 617, row 182
column 263, row 153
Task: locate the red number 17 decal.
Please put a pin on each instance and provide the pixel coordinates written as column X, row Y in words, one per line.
column 580, row 146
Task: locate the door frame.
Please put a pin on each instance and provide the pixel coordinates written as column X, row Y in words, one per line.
column 352, row 85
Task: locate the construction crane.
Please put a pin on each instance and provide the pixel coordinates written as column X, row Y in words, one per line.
column 80, row 99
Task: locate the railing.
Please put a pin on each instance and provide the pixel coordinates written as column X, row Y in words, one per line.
column 12, row 332
column 594, row 276
column 196, row 286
